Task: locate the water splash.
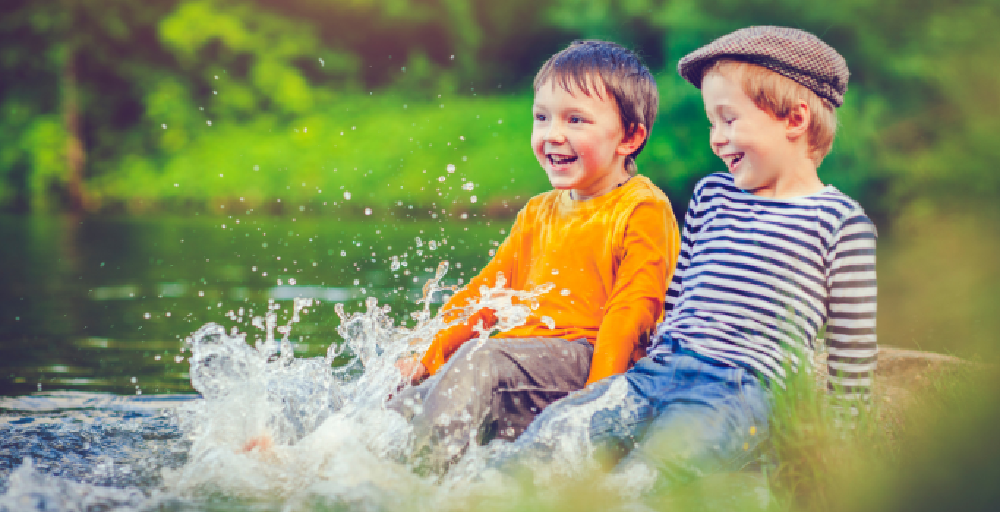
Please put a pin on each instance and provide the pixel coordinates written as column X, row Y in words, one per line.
column 321, row 416
column 330, row 439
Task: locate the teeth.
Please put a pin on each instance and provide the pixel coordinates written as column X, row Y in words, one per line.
column 558, row 160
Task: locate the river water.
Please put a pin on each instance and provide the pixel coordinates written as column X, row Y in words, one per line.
column 140, row 357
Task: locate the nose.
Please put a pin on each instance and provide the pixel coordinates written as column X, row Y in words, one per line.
column 716, row 138
column 555, row 133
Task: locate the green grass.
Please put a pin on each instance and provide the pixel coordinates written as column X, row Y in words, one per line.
column 936, row 451
column 383, row 149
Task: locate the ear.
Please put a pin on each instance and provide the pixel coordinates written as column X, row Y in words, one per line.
column 797, row 122
column 630, row 143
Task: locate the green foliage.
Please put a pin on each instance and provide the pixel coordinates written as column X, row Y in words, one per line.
column 916, row 127
column 380, row 149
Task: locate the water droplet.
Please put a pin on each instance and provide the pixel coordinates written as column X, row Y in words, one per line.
column 368, row 211
column 133, row 379
column 167, row 314
column 357, row 282
column 564, row 292
column 419, row 242
column 555, row 271
column 347, row 196
column 147, row 316
column 201, row 293
column 256, row 167
column 472, row 199
column 164, row 126
column 208, row 123
column 394, row 266
column 343, row 253
column 441, row 270
column 451, row 167
column 441, row 178
column 549, row 322
column 468, row 185
column 432, row 245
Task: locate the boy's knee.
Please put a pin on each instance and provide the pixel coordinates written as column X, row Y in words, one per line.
column 694, row 443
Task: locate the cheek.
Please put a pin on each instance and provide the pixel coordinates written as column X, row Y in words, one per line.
column 536, row 142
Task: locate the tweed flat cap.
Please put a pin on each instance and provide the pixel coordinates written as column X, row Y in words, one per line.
column 793, row 53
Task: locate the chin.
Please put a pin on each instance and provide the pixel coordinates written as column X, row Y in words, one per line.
column 744, row 182
column 561, row 182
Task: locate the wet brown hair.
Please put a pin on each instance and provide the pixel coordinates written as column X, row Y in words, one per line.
column 624, row 76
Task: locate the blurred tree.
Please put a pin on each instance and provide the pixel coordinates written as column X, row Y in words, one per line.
column 75, row 62
column 104, row 98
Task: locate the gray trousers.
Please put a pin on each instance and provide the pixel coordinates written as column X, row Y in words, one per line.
column 490, row 391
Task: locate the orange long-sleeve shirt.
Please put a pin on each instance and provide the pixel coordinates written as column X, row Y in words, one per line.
column 610, row 258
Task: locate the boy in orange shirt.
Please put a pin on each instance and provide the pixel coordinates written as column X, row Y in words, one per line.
column 605, row 237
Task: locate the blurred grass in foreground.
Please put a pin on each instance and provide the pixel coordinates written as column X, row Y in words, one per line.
column 934, row 451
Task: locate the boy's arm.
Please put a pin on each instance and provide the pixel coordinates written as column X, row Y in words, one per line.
column 683, row 259
column 636, row 301
column 447, row 341
column 850, row 330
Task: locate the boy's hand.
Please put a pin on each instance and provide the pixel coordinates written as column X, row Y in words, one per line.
column 412, row 369
column 261, row 443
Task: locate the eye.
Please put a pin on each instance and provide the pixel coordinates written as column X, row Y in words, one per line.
column 730, row 120
column 575, row 119
column 539, row 117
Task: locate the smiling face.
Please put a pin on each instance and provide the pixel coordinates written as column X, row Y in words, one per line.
column 579, row 139
column 754, row 144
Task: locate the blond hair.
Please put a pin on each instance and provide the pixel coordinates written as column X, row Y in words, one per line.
column 778, row 95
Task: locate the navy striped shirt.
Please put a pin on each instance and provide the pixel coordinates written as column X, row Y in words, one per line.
column 757, row 278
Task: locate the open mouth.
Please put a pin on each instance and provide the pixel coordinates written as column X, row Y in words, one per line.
column 560, row 159
column 735, row 159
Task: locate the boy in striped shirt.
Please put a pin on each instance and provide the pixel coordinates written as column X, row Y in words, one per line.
column 769, row 255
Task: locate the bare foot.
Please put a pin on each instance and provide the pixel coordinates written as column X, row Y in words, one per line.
column 412, row 369
column 261, row 443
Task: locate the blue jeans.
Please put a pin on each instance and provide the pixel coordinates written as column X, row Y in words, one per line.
column 680, row 414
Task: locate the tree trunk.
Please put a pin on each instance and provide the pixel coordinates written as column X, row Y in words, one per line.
column 76, row 156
